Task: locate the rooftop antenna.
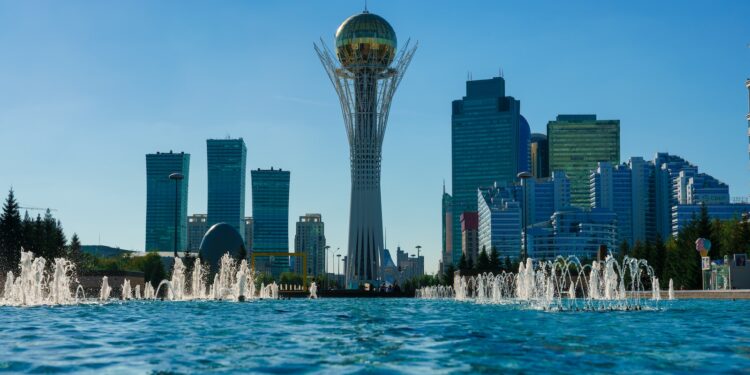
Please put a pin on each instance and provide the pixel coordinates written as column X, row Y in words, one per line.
column 502, row 74
column 469, row 76
column 365, row 7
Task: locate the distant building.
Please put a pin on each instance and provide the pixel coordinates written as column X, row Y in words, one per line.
column 546, row 196
column 249, row 235
column 310, row 240
column 470, row 235
column 576, row 144
column 165, row 200
column 524, row 146
column 499, row 220
column 485, row 145
column 747, row 84
column 539, row 155
column 220, row 239
column 389, row 268
column 683, row 214
column 271, row 218
column 612, row 189
column 447, row 218
column 678, row 182
column 197, row 226
column 409, row 267
column 227, row 159
column 574, row 232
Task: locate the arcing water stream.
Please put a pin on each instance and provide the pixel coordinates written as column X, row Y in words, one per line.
column 561, row 284
column 36, row 285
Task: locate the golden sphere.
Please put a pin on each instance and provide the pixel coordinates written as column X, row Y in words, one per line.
column 365, row 40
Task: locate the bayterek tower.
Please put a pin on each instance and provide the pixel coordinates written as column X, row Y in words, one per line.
column 365, row 73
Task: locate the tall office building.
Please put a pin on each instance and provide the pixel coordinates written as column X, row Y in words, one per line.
column 747, row 84
column 500, row 220
column 310, row 239
column 539, row 155
column 576, row 144
column 271, row 218
column 574, row 231
column 485, row 145
column 226, row 182
column 547, row 196
column 470, row 235
column 197, row 226
column 678, row 182
column 249, row 235
column 524, row 146
column 166, row 201
column 612, row 189
column 365, row 72
column 447, row 219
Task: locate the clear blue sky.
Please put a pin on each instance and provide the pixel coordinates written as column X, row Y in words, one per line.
column 88, row 88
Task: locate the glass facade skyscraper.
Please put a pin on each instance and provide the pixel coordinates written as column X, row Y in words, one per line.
column 271, row 218
column 226, row 182
column 485, row 146
column 310, row 239
column 165, row 200
column 500, row 220
column 576, row 144
column 539, row 156
column 447, row 219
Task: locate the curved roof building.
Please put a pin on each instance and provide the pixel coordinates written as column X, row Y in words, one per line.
column 220, row 239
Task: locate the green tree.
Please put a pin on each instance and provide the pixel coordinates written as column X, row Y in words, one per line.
column 496, row 264
column 74, row 253
column 657, row 257
column 153, row 269
column 509, row 265
column 623, row 251
column 11, row 234
column 483, row 261
column 463, row 265
column 447, row 276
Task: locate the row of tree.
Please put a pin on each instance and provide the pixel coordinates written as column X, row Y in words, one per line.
column 42, row 235
column 675, row 258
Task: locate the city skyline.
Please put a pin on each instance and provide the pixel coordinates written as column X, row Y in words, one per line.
column 700, row 102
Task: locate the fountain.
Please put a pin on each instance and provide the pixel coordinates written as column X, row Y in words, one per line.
column 105, row 289
column 34, row 286
column 126, row 290
column 313, row 290
column 560, row 284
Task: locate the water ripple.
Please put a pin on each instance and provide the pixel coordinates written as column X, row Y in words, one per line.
column 371, row 336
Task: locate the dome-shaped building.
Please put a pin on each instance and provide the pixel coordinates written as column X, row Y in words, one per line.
column 365, row 40
column 218, row 240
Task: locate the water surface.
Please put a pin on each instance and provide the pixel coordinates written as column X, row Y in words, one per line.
column 372, row 335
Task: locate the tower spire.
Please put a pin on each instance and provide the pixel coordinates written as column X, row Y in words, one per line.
column 365, row 11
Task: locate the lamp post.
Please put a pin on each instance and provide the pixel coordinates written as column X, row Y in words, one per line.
column 523, row 176
column 338, row 269
column 177, row 177
column 325, row 264
column 333, row 259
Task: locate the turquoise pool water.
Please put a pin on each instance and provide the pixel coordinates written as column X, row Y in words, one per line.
column 372, row 335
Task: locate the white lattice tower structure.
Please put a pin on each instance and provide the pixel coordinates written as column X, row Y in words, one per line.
column 365, row 84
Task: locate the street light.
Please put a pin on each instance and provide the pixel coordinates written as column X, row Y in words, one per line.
column 523, row 176
column 177, row 177
column 338, row 270
column 333, row 258
column 325, row 263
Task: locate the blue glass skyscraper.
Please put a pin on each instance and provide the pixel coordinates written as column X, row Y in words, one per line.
column 485, row 136
column 165, row 200
column 226, row 182
column 271, row 218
